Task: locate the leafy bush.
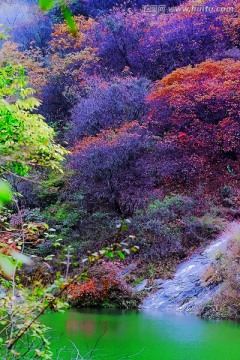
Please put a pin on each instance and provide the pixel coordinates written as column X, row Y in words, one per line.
column 21, row 128
column 104, row 286
column 168, row 227
column 108, row 169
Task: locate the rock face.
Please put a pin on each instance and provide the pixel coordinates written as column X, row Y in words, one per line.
column 185, row 292
column 141, row 286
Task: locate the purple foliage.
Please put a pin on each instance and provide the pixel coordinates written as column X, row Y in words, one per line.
column 123, row 173
column 99, row 7
column 55, row 106
column 109, row 104
column 28, row 26
column 112, row 172
column 154, row 45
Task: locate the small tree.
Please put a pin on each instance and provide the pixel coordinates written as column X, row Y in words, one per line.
column 25, row 142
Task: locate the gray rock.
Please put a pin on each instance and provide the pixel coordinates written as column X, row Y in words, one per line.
column 127, row 270
column 184, row 292
column 158, row 282
column 141, row 286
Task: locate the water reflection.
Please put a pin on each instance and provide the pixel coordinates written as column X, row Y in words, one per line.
column 89, row 326
column 85, row 326
column 174, row 326
column 149, row 335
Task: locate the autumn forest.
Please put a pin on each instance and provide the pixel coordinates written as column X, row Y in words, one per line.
column 119, row 150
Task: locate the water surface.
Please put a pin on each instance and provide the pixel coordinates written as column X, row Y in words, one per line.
column 115, row 335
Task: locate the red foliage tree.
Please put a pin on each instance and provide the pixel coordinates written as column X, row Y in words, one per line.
column 105, row 283
column 197, row 108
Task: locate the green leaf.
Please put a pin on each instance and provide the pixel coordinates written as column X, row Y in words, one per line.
column 5, row 192
column 124, row 227
column 110, row 254
column 7, row 266
column 46, row 5
column 121, row 255
column 69, row 20
column 135, row 249
column 26, row 140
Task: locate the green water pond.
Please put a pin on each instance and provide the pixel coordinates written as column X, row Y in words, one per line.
column 118, row 335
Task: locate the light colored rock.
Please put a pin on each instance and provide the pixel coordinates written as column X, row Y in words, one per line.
column 141, row 286
column 128, row 269
column 185, row 291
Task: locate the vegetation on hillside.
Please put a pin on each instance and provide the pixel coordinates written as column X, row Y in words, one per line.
column 135, row 136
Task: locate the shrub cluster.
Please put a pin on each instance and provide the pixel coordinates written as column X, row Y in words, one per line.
column 105, row 287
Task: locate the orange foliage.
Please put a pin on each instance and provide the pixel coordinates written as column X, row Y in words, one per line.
column 62, row 39
column 104, row 283
column 7, row 243
column 37, row 73
column 207, row 93
column 231, row 22
column 109, row 137
column 88, row 289
column 65, row 60
column 70, row 55
column 198, row 109
column 204, row 81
